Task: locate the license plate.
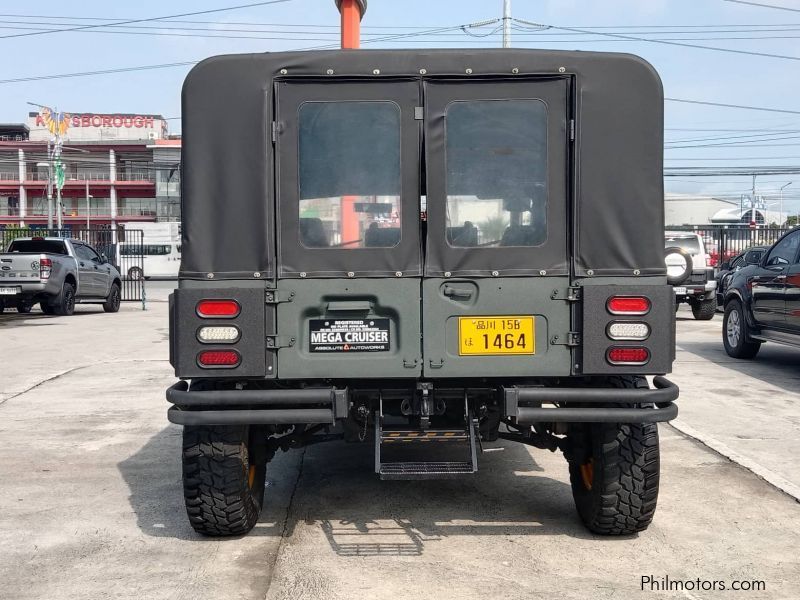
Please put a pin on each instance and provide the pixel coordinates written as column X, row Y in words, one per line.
column 499, row 335
column 680, row 290
column 8, row 291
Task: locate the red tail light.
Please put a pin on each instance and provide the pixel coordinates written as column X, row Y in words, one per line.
column 45, row 267
column 628, row 355
column 219, row 358
column 628, row 305
column 220, row 309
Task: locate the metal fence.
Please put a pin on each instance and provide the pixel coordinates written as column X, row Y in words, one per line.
column 723, row 242
column 107, row 241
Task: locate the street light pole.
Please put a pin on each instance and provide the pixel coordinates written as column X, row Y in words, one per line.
column 58, row 207
column 88, row 204
column 49, row 192
column 787, row 185
column 506, row 23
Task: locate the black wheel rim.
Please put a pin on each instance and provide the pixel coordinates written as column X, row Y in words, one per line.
column 69, row 301
column 115, row 299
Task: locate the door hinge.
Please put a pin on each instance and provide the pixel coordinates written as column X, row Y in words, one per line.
column 278, row 296
column 437, row 363
column 279, row 341
column 419, row 113
column 274, row 131
column 572, row 129
column 572, row 339
column 573, row 294
column 409, row 363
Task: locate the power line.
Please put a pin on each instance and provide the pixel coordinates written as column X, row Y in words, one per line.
column 200, row 12
column 761, row 108
column 763, row 5
column 100, row 72
column 670, row 43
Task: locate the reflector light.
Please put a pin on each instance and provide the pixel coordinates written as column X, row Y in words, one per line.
column 218, row 358
column 221, row 309
column 218, row 334
column 628, row 331
column 628, row 356
column 628, row 305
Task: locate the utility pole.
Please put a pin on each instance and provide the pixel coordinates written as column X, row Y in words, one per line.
column 753, row 202
column 506, row 23
column 88, row 205
column 783, row 186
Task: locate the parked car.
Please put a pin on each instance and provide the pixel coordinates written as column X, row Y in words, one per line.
column 689, row 273
column 751, row 256
column 762, row 302
column 56, row 273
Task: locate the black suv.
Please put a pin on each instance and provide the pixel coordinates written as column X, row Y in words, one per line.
column 762, row 302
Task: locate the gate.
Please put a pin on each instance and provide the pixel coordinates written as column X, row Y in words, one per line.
column 124, row 248
column 723, row 242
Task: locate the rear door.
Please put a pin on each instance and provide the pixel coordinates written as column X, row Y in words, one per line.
column 769, row 282
column 349, row 257
column 102, row 272
column 496, row 268
column 87, row 275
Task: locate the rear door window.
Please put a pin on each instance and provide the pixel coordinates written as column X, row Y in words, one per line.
column 496, row 153
column 785, row 251
column 688, row 243
column 38, row 246
column 349, row 146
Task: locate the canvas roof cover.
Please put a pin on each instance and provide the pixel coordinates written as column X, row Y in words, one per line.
column 228, row 180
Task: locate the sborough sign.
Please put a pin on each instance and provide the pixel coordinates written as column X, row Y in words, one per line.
column 95, row 120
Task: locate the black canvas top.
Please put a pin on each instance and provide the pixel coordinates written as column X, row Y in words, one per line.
column 228, row 180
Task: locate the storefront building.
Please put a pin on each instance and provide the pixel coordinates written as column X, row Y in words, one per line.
column 119, row 168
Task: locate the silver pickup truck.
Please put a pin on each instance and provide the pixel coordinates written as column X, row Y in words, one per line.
column 56, row 273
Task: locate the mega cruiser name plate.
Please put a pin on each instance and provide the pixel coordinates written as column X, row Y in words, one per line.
column 349, row 335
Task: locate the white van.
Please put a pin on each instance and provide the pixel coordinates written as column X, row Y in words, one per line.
column 159, row 259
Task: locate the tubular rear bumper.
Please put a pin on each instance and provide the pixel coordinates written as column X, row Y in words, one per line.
column 525, row 404
column 328, row 404
column 256, row 407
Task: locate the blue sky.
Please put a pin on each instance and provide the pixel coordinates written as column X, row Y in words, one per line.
column 687, row 73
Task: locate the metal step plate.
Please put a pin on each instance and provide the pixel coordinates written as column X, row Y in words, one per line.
column 425, row 470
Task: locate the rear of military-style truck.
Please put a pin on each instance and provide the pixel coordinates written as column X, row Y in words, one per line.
column 422, row 251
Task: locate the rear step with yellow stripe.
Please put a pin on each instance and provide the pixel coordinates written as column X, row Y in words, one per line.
column 432, row 469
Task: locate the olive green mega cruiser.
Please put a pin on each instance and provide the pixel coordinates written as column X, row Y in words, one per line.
column 420, row 252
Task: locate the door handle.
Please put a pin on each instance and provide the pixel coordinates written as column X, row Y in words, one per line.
column 349, row 306
column 81, row 264
column 780, row 278
column 452, row 292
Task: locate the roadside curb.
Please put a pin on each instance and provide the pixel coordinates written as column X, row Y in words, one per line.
column 772, row 478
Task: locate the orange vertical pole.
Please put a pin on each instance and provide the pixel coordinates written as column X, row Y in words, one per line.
column 351, row 13
column 351, row 23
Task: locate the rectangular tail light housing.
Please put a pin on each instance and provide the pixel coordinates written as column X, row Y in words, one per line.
column 628, row 355
column 219, row 359
column 629, row 305
column 218, row 309
column 218, row 334
column 628, row 331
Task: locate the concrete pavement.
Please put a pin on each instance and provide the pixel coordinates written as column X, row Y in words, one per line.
column 91, row 506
